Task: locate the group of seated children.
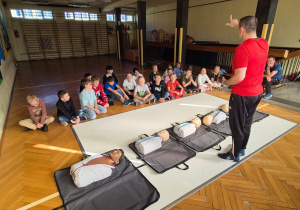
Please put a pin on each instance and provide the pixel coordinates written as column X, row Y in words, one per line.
column 94, row 99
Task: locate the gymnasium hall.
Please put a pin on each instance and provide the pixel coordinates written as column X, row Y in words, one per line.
column 52, row 45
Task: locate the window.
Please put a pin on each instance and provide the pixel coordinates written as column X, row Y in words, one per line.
column 110, row 17
column 77, row 15
column 123, row 18
column 16, row 13
column 93, row 16
column 32, row 14
column 47, row 14
column 85, row 16
column 69, row 15
column 129, row 18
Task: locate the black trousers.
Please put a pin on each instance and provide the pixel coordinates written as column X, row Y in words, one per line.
column 130, row 96
column 268, row 85
column 241, row 111
column 190, row 88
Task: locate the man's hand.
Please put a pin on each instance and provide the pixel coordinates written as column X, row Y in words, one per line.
column 97, row 111
column 233, row 23
column 161, row 100
column 122, row 99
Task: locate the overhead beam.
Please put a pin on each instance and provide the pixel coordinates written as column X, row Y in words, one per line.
column 121, row 3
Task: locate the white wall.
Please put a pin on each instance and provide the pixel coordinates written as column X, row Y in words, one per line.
column 8, row 71
column 207, row 23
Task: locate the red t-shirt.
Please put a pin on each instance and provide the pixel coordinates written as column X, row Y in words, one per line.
column 252, row 54
column 173, row 86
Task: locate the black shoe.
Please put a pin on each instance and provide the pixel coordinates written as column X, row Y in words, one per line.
column 229, row 156
column 45, row 128
column 27, row 129
column 111, row 103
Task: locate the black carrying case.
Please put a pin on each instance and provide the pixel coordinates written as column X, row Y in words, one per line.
column 203, row 139
column 224, row 127
column 126, row 188
column 170, row 155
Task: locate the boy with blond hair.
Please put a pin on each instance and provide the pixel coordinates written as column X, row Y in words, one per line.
column 141, row 92
column 101, row 97
column 129, row 85
column 38, row 115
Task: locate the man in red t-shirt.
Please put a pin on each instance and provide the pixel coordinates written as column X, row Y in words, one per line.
column 248, row 65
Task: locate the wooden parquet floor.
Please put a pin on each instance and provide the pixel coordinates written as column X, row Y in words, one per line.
column 268, row 180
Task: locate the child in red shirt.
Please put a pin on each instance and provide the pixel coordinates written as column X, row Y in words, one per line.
column 100, row 94
column 174, row 88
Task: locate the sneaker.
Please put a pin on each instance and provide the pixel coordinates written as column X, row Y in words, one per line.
column 148, row 102
column 229, row 156
column 168, row 98
column 45, row 128
column 83, row 117
column 125, row 103
column 154, row 101
column 27, row 129
column 264, row 93
column 182, row 95
column 138, row 103
column 173, row 98
column 195, row 91
column 268, row 96
column 242, row 152
column 130, row 102
column 111, row 103
column 64, row 123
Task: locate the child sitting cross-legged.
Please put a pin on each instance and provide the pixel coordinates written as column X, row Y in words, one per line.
column 174, row 88
column 203, row 81
column 100, row 94
column 88, row 101
column 188, row 82
column 141, row 92
column 66, row 111
column 129, row 85
column 112, row 89
column 38, row 115
column 158, row 89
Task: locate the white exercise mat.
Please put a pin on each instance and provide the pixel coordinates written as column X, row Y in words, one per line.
column 118, row 131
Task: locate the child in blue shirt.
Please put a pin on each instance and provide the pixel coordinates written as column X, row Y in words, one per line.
column 178, row 70
column 112, row 89
column 88, row 101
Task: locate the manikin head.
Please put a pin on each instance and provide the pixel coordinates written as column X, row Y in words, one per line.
column 164, row 135
column 63, row 95
column 247, row 27
column 117, row 155
column 197, row 122
column 271, row 61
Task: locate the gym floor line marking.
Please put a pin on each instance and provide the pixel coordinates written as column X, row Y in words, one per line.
column 266, row 104
column 39, row 201
column 54, row 84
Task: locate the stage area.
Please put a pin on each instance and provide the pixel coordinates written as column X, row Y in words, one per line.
column 118, row 131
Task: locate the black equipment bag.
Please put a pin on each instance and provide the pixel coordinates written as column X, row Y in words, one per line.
column 201, row 140
column 224, row 127
column 170, row 155
column 126, row 188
